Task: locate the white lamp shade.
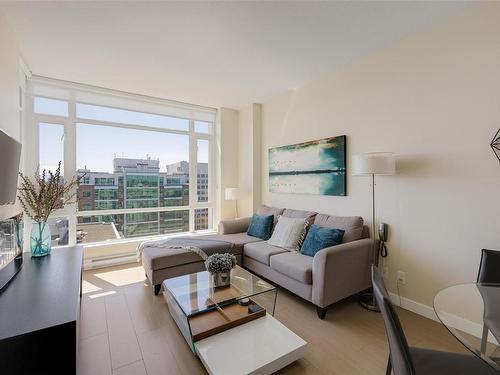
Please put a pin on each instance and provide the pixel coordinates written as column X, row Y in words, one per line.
column 233, row 194
column 377, row 163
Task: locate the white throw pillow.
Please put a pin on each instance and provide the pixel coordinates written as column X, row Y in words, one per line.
column 288, row 233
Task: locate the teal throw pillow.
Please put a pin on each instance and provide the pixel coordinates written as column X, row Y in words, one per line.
column 261, row 226
column 319, row 238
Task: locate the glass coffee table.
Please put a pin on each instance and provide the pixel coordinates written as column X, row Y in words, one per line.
column 201, row 310
column 227, row 337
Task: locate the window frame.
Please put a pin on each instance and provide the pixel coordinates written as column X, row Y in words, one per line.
column 70, row 168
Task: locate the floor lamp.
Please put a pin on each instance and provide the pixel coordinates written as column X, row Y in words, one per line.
column 373, row 164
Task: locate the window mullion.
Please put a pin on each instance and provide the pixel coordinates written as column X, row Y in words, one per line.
column 30, row 159
column 130, row 126
column 70, row 166
column 193, row 156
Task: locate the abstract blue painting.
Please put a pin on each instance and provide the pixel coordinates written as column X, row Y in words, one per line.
column 316, row 167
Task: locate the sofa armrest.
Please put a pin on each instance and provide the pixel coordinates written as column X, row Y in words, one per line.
column 341, row 271
column 234, row 225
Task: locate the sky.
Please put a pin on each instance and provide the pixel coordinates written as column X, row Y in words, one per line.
column 96, row 145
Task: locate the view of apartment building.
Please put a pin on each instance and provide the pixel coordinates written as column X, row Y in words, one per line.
column 139, row 183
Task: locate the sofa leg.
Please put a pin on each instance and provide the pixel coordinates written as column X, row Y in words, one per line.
column 321, row 312
column 157, row 288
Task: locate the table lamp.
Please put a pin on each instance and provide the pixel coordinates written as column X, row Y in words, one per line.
column 233, row 194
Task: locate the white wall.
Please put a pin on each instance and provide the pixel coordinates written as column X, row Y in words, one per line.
column 9, row 92
column 434, row 99
column 9, row 81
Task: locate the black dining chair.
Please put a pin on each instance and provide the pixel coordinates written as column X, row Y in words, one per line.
column 489, row 273
column 489, row 267
column 405, row 360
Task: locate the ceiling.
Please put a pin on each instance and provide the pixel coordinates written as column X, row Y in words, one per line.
column 224, row 54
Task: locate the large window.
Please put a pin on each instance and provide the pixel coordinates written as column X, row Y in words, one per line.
column 51, row 146
column 144, row 173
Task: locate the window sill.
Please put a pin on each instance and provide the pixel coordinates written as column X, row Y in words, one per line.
column 147, row 238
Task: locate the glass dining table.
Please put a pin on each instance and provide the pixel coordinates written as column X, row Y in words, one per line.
column 471, row 312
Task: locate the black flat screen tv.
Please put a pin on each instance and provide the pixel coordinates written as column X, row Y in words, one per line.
column 10, row 155
column 11, row 258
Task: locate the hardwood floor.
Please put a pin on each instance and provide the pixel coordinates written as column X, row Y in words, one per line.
column 126, row 330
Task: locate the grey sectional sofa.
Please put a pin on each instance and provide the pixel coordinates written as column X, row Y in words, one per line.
column 332, row 274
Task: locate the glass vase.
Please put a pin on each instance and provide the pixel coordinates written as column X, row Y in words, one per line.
column 40, row 239
column 221, row 279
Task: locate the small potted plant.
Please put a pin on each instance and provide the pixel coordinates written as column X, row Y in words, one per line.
column 219, row 266
column 39, row 197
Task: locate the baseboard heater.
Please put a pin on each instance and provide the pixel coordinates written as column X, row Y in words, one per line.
column 110, row 260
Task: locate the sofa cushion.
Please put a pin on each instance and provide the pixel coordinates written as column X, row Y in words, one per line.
column 268, row 210
column 308, row 215
column 157, row 258
column 261, row 251
column 320, row 238
column 300, row 214
column 293, row 265
column 261, row 226
column 238, row 239
column 288, row 232
column 238, row 225
column 351, row 225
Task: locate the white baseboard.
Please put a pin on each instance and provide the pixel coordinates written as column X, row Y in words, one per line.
column 413, row 306
column 467, row 326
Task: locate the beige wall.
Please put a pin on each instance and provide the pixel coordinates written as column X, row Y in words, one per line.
column 9, row 92
column 245, row 160
column 249, row 165
column 227, row 159
column 434, row 99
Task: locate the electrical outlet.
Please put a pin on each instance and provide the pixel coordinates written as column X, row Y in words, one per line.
column 401, row 278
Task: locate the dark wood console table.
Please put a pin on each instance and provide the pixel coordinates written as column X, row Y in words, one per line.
column 39, row 313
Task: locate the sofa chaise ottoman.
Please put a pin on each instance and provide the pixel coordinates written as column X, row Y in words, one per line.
column 161, row 263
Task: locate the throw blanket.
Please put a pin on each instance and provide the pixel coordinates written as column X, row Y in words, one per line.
column 201, row 246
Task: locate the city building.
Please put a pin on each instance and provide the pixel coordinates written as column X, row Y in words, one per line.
column 139, row 183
